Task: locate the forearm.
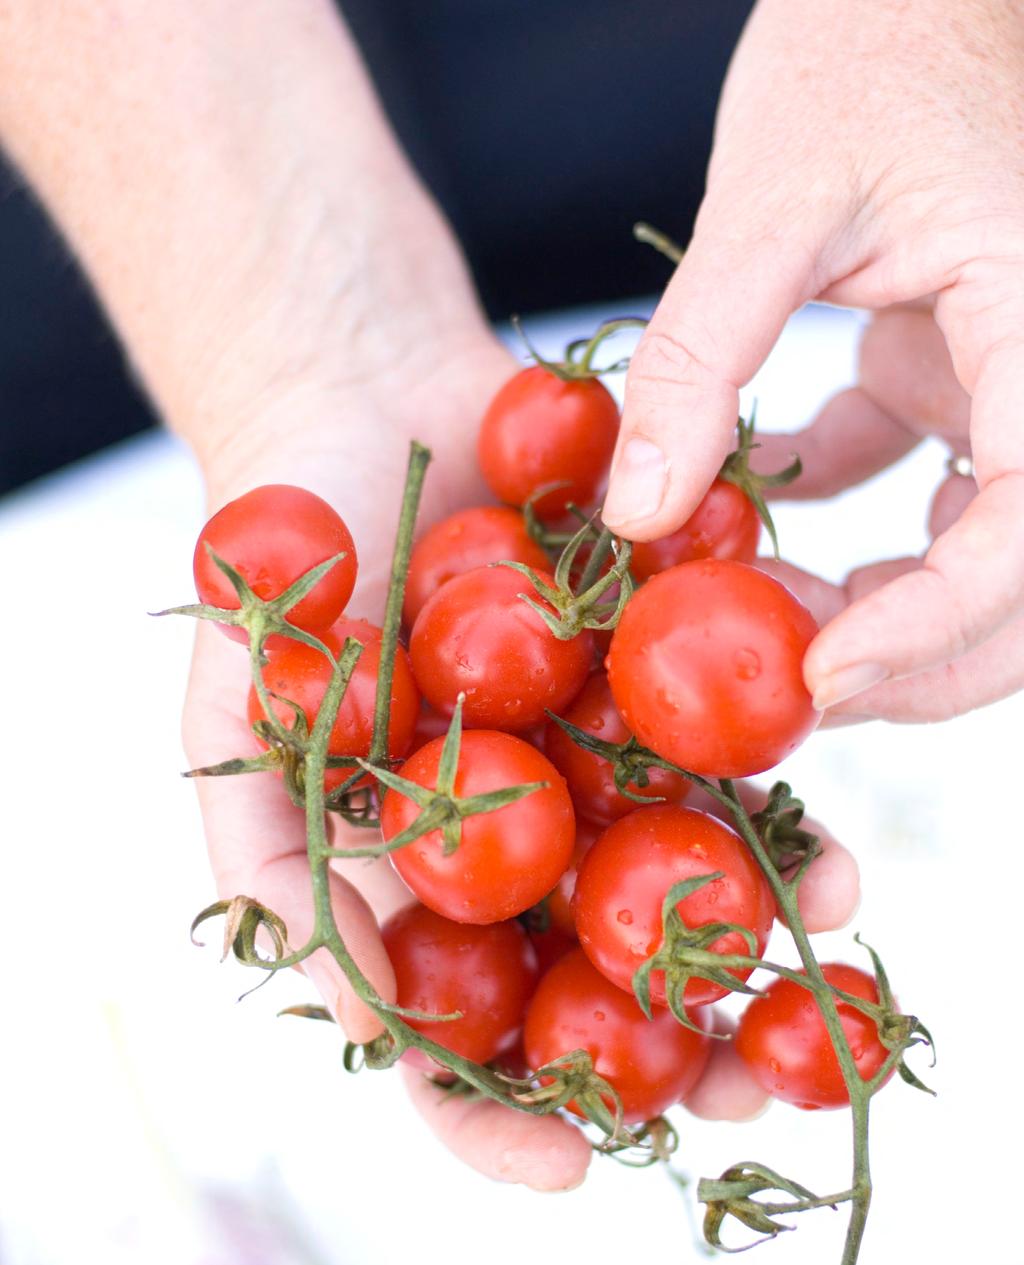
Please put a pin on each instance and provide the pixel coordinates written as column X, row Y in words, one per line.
column 225, row 174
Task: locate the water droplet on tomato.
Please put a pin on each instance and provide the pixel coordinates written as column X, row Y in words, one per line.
column 748, row 664
column 597, row 725
column 599, row 1016
column 775, row 1065
column 624, row 916
column 857, row 1051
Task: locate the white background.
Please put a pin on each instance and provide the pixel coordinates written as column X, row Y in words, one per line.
column 147, row 1118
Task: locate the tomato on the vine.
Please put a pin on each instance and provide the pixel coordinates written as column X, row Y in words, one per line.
column 724, row 525
column 272, row 536
column 591, row 778
column 650, row 1063
column 625, row 877
column 301, row 675
column 542, row 429
column 508, row 859
column 486, row 973
column 462, row 542
column 477, row 636
column 783, row 1040
column 706, row 668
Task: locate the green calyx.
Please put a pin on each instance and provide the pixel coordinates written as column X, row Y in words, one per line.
column 262, row 618
column 732, row 1195
column 578, row 363
column 441, row 809
column 583, row 605
column 736, row 470
column 631, row 763
column 686, row 954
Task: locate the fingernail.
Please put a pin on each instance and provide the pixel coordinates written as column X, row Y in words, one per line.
column 638, row 482
column 847, row 682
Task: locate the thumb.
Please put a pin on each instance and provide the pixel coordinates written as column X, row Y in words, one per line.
column 715, row 325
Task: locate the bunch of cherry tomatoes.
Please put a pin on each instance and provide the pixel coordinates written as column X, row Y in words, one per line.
column 542, row 922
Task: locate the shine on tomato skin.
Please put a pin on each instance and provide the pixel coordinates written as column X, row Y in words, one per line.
column 486, row 973
column 626, row 874
column 652, row 1064
column 724, row 525
column 271, row 536
column 463, row 541
column 301, row 674
column 508, row 859
column 542, row 429
column 478, row 637
column 783, row 1040
column 591, row 779
column 706, row 665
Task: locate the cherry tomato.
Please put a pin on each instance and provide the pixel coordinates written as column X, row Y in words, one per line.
column 705, row 668
column 301, row 674
column 724, row 525
column 651, row 1064
column 487, row 973
column 541, row 429
column 508, row 859
column 559, row 899
column 476, row 635
column 626, row 875
column 272, row 535
column 783, row 1040
column 591, row 779
column 469, row 539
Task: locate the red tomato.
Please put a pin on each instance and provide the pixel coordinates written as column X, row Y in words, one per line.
column 487, row 973
column 476, row 635
column 559, row 900
column 783, row 1040
column 540, row 429
column 651, row 1064
column 626, row 875
column 302, row 674
column 724, row 525
column 272, row 535
column 508, row 859
column 590, row 778
column 467, row 540
column 705, row 668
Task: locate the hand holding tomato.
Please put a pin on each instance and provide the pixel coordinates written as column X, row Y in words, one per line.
column 839, row 172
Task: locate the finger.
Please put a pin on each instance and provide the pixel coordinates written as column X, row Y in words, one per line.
column 991, row 672
column 985, row 675
column 542, row 1152
column 257, row 840
column 969, row 585
column 972, row 580
column 952, row 497
column 720, row 316
column 726, row 1090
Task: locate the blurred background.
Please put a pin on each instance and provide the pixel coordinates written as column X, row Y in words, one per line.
column 545, row 128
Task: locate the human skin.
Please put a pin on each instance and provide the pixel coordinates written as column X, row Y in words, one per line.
column 285, row 289
column 866, row 154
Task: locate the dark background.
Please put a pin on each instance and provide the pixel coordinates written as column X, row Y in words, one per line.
column 544, row 127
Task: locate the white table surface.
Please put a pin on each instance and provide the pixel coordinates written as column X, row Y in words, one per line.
column 147, row 1118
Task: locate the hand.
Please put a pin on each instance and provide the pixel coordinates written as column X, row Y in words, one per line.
column 866, row 154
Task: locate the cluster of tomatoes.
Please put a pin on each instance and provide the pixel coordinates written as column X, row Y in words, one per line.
column 703, row 670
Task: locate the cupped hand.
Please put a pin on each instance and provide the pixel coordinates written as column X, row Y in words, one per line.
column 346, row 437
column 869, row 155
